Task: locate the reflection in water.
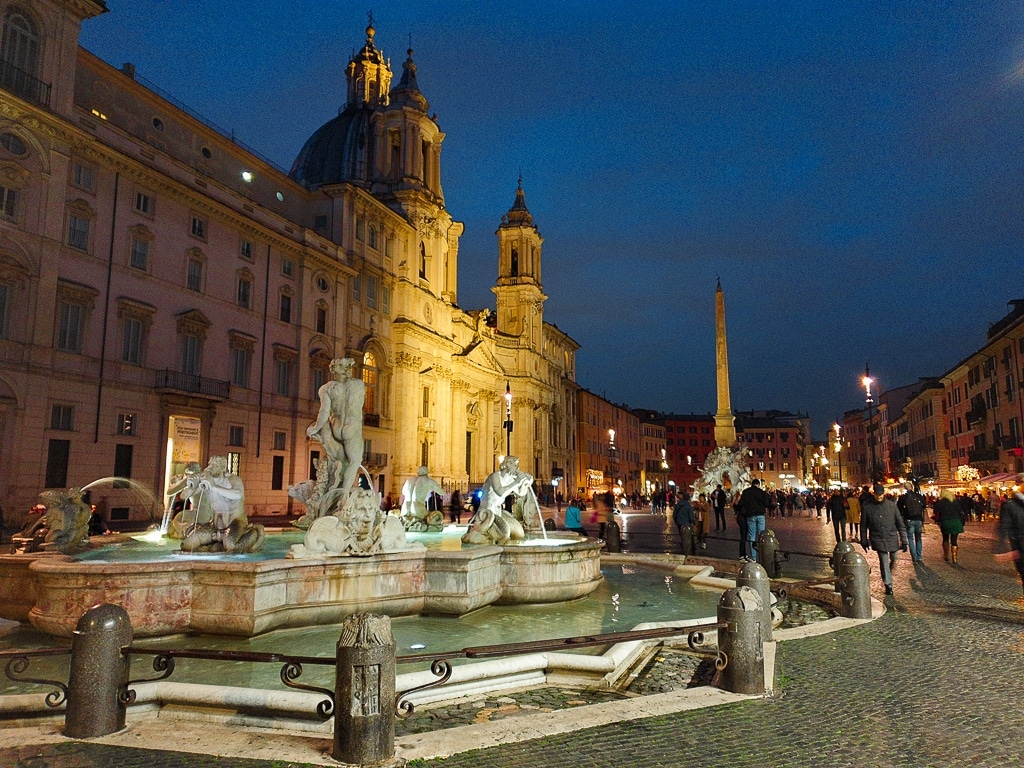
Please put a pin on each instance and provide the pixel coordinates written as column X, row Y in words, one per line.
column 627, row 597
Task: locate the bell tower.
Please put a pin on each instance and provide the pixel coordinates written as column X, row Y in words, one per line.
column 519, row 291
column 368, row 75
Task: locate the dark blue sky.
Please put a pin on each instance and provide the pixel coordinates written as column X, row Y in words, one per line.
column 852, row 171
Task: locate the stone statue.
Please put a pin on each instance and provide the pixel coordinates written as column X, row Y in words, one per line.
column 199, row 513
column 66, row 521
column 223, row 495
column 491, row 524
column 359, row 528
column 727, row 466
column 339, row 429
column 415, row 495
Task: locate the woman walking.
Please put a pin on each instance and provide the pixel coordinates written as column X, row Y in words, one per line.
column 949, row 516
column 702, row 522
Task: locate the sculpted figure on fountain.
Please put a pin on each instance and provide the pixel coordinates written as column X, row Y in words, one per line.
column 66, row 522
column 360, row 527
column 339, row 429
column 228, row 529
column 415, row 497
column 492, row 524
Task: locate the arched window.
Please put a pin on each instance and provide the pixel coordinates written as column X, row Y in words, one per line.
column 423, row 262
column 371, row 236
column 514, row 272
column 20, row 51
column 370, row 380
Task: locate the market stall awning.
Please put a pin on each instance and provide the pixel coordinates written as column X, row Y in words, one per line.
column 1000, row 478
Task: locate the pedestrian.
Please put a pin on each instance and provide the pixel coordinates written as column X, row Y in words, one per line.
column 683, row 516
column 455, row 508
column 911, row 506
column 1011, row 530
column 754, row 503
column 837, row 514
column 574, row 519
column 882, row 528
column 718, row 503
column 702, row 522
column 950, row 518
column 853, row 514
column 97, row 526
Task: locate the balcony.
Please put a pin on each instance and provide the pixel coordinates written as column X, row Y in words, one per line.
column 21, row 83
column 983, row 453
column 174, row 381
column 375, row 461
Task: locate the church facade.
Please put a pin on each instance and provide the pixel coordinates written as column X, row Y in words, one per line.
column 166, row 294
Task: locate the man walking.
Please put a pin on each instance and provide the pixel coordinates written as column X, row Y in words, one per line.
column 881, row 527
column 718, row 500
column 683, row 517
column 911, row 506
column 754, row 504
column 1011, row 530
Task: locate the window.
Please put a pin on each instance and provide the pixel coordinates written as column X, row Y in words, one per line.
column 359, row 227
column 57, row 454
column 245, row 250
column 62, row 417
column 8, row 204
column 385, row 299
column 198, row 227
column 286, row 308
column 241, row 365
column 123, row 464
column 280, row 440
column 277, row 474
column 371, row 292
column 321, row 319
column 126, row 424
column 144, row 203
column 13, row 144
column 78, row 231
column 423, row 262
column 20, row 51
column 244, row 292
column 191, row 354
column 139, row 258
column 425, row 408
column 370, row 380
column 234, row 462
column 131, row 347
column 194, row 275
column 357, row 289
column 236, row 435
column 371, row 236
column 284, row 377
column 287, row 267
column 69, row 331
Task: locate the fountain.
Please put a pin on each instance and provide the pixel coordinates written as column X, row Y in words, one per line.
column 354, row 558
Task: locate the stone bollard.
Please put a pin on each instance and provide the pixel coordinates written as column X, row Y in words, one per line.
column 754, row 576
column 836, row 561
column 856, row 593
column 767, row 553
column 612, row 537
column 740, row 649
column 364, row 691
column 99, row 673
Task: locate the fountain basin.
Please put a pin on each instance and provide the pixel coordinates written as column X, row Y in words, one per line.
column 233, row 595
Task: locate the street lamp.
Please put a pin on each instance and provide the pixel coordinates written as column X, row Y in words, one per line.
column 508, row 419
column 611, row 458
column 839, row 448
column 869, row 401
column 664, row 469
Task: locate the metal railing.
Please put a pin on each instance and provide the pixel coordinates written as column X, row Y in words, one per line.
column 18, row 663
column 190, row 382
column 21, row 83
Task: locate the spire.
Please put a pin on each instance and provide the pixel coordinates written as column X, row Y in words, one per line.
column 407, row 92
column 518, row 215
column 368, row 74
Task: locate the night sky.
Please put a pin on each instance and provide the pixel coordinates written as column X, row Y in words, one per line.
column 851, row 170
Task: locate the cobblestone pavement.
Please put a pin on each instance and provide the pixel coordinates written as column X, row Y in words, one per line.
column 935, row 682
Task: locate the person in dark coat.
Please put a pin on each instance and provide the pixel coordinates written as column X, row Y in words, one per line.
column 754, row 504
column 882, row 528
column 1011, row 531
column 683, row 517
column 911, row 506
column 950, row 518
column 837, row 513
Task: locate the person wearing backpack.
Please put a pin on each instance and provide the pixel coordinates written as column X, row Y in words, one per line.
column 911, row 506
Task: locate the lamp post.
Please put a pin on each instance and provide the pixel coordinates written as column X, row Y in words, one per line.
column 664, row 471
column 839, row 456
column 611, row 459
column 869, row 401
column 508, row 419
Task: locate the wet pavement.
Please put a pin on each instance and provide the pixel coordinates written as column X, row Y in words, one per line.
column 936, row 682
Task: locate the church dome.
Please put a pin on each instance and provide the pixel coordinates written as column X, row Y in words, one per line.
column 337, row 151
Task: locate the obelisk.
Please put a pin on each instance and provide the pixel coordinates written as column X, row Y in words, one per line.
column 725, row 426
